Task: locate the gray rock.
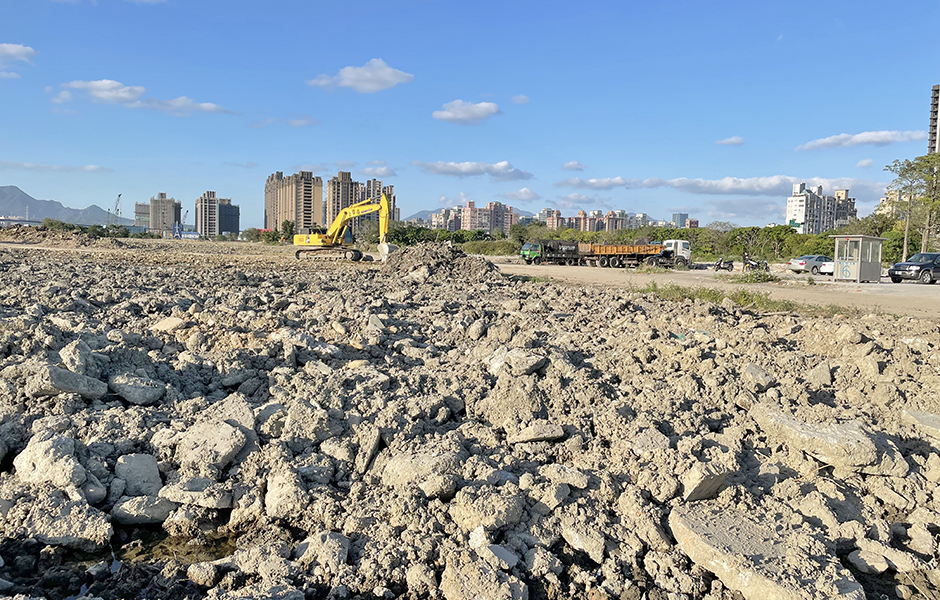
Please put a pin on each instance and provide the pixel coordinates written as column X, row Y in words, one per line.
column 486, row 507
column 286, row 496
column 757, row 378
column 750, row 555
column 203, row 573
column 198, row 491
column 93, row 490
column 702, row 481
column 499, row 556
column 581, row 536
column 327, row 549
column 518, row 361
column 845, row 445
column 476, row 330
column 77, row 358
column 50, row 461
column 926, row 422
column 820, row 375
column 142, row 510
column 538, row 432
column 210, row 443
column 168, row 325
column 465, row 579
column 71, row 523
column 563, row 474
column 137, row 390
column 50, row 381
column 140, row 474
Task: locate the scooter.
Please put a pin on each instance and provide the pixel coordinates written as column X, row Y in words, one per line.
column 724, row 265
column 756, row 265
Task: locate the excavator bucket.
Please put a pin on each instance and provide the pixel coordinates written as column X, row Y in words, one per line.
column 385, row 249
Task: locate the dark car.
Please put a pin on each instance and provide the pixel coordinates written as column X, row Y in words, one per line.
column 924, row 266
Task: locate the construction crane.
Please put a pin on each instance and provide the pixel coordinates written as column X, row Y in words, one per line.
column 114, row 215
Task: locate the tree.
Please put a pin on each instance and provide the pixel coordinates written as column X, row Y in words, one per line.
column 928, row 168
column 721, row 226
column 252, row 234
column 907, row 183
column 287, row 230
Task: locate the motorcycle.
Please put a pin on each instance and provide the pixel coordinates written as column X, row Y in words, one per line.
column 756, row 265
column 724, row 265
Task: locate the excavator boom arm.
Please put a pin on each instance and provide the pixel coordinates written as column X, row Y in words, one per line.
column 335, row 233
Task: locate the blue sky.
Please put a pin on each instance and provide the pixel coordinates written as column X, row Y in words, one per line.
column 714, row 109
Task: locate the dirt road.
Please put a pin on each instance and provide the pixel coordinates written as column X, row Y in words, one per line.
column 907, row 299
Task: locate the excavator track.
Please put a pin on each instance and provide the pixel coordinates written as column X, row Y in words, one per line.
column 328, row 254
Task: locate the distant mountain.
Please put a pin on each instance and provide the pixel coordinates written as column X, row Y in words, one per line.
column 426, row 214
column 14, row 202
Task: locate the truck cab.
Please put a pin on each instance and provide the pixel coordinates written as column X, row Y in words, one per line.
column 681, row 249
column 531, row 252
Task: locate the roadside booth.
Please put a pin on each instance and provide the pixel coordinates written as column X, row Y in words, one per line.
column 857, row 258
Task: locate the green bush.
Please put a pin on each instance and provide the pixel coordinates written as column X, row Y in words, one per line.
column 492, row 248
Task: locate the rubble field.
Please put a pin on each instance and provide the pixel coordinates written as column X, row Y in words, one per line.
column 203, row 427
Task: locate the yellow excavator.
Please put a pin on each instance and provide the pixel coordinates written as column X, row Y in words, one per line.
column 335, row 243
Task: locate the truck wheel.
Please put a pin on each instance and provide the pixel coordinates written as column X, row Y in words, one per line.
column 527, row 261
column 603, row 262
column 357, row 256
column 682, row 263
column 569, row 263
column 615, row 262
column 651, row 261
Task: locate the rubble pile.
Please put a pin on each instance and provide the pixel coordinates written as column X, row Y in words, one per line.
column 365, row 432
column 23, row 234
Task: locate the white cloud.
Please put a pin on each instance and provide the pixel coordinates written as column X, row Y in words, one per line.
column 870, row 138
column 735, row 140
column 21, row 166
column 12, row 53
column 606, row 183
column 864, row 163
column 466, row 113
column 115, row 92
column 376, row 163
column 379, row 172
column 374, row 76
column 303, row 121
column 108, row 90
column 62, row 97
column 458, row 200
column 523, row 195
column 520, row 99
column 573, row 166
column 501, row 171
column 9, row 75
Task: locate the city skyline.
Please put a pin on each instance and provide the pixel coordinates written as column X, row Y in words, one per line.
column 715, row 111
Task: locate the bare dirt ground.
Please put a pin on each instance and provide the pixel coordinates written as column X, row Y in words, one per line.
column 907, row 299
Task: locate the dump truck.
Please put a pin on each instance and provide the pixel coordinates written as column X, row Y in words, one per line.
column 671, row 253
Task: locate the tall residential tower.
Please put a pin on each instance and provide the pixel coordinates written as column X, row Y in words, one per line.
column 297, row 198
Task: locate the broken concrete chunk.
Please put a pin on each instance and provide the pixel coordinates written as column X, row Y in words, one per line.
column 518, row 361
column 137, row 390
column 168, row 325
column 142, row 510
column 50, row 381
column 198, row 491
column 77, row 358
column 499, row 556
column 476, row 330
column 702, row 481
column 869, row 562
column 750, row 555
column 210, row 443
column 845, row 445
column 757, row 378
column 327, row 549
column 820, row 376
column 140, row 474
column 51, row 460
column 581, row 536
column 538, row 432
column 465, row 579
column 926, row 422
column 286, row 495
column 563, row 474
column 74, row 524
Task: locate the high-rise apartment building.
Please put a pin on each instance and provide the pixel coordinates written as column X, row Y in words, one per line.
column 164, row 213
column 216, row 216
column 933, row 140
column 341, row 192
column 297, row 198
column 389, row 191
column 680, row 219
column 809, row 211
column 142, row 214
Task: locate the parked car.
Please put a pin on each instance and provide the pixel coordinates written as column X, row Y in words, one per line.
column 827, row 268
column 923, row 266
column 808, row 262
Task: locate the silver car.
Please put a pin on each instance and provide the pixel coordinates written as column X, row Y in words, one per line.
column 808, row 262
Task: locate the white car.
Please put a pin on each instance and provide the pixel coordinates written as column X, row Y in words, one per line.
column 807, row 262
column 827, row 268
